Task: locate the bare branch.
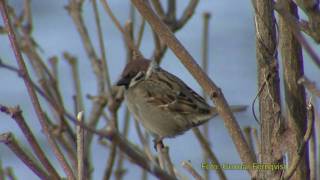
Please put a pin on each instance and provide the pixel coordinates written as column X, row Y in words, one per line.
column 248, row 135
column 296, row 160
column 192, row 171
column 31, row 92
column 187, row 13
column 279, row 7
column 10, row 141
column 105, row 68
column 168, row 161
column 311, row 8
column 16, row 114
column 295, row 97
column 207, row 149
column 128, row 40
column 80, row 148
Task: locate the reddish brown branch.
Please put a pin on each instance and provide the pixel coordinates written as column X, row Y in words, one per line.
column 10, row 141
column 31, row 91
column 16, row 114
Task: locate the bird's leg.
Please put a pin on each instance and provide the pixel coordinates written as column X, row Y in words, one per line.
column 158, row 142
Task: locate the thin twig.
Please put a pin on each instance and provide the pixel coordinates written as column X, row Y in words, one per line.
column 80, row 147
column 161, row 156
column 187, row 14
column 296, row 159
column 187, row 165
column 10, row 141
column 69, row 148
column 257, row 142
column 110, row 162
column 207, row 149
column 205, row 46
column 128, row 40
column 168, row 161
column 73, row 62
column 120, row 171
column 311, row 8
column 310, row 85
column 141, row 31
column 143, row 141
column 31, row 92
column 42, row 93
column 113, row 150
column 158, row 7
column 313, row 155
column 137, row 156
column 248, row 135
column 16, row 114
column 171, row 11
column 105, row 72
column 74, row 8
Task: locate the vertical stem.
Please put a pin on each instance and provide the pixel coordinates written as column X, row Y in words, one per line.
column 119, row 172
column 105, row 69
column 167, row 158
column 80, row 147
column 295, row 98
column 313, row 155
column 268, row 78
column 205, row 44
column 113, row 149
column 161, row 156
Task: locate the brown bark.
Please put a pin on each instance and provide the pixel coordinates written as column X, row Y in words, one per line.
column 268, row 80
column 291, row 55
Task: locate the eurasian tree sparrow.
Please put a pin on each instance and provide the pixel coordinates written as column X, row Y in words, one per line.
column 161, row 102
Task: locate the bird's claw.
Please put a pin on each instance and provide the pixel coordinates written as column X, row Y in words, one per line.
column 156, row 142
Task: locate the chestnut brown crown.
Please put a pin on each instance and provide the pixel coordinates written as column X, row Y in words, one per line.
column 131, row 70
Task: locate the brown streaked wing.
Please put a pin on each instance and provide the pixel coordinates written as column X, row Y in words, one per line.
column 177, row 97
column 185, row 91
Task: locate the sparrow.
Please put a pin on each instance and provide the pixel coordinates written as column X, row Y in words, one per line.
column 162, row 102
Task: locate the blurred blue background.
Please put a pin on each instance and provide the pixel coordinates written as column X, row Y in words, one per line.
column 232, row 66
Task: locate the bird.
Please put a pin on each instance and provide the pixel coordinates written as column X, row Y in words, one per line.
column 162, row 102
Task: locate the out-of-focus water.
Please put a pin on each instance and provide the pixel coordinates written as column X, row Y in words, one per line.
column 232, row 66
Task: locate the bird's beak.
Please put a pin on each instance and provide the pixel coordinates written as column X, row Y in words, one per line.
column 123, row 82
